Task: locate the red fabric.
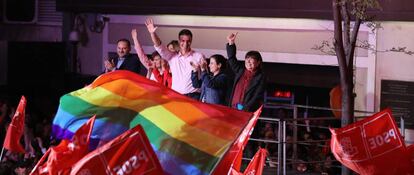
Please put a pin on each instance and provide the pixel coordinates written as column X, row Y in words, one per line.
column 232, row 159
column 256, row 165
column 41, row 166
column 372, row 146
column 67, row 153
column 234, row 172
column 410, row 152
column 241, row 87
column 129, row 153
column 237, row 163
column 16, row 129
column 165, row 79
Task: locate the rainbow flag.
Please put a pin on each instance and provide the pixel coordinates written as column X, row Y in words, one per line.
column 189, row 137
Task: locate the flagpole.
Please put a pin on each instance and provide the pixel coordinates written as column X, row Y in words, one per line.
column 1, row 156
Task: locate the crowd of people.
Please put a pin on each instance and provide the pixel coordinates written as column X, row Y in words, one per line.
column 188, row 72
column 36, row 138
column 214, row 80
column 175, row 65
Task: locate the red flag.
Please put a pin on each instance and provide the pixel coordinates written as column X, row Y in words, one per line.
column 41, row 166
column 129, row 153
column 372, row 146
column 256, row 165
column 234, row 172
column 410, row 151
column 62, row 157
column 232, row 159
column 16, row 129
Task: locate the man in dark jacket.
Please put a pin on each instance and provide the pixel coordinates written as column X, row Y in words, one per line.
column 124, row 61
column 249, row 85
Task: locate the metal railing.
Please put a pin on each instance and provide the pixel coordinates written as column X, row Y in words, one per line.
column 292, row 122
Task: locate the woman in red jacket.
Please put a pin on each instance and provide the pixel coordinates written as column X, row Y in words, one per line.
column 162, row 75
column 158, row 69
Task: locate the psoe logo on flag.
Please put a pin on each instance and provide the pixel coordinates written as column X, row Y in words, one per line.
column 381, row 135
column 347, row 148
column 381, row 139
column 131, row 164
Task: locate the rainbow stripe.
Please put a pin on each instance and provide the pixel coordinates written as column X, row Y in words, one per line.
column 188, row 137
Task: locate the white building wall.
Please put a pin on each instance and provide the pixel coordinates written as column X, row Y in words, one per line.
column 391, row 65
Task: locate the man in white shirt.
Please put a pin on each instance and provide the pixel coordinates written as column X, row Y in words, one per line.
column 179, row 61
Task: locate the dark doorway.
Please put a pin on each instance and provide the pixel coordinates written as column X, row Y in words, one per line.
column 310, row 84
column 36, row 67
column 36, row 70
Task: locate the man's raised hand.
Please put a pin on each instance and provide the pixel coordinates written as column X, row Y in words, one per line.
column 150, row 25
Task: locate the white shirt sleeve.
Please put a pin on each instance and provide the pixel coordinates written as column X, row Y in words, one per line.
column 164, row 52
